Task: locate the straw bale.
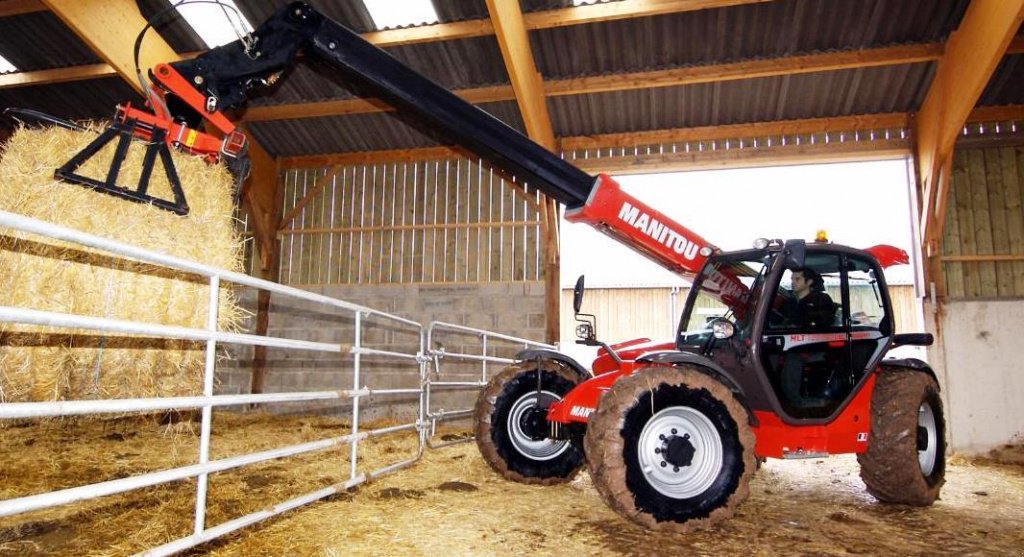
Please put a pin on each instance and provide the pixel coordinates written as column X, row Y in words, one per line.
column 49, row 364
column 452, row 503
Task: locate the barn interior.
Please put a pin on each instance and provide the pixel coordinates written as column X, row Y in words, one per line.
column 396, row 271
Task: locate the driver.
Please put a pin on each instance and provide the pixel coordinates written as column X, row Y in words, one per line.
column 810, row 306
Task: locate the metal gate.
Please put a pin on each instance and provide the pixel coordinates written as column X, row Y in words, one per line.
column 421, row 363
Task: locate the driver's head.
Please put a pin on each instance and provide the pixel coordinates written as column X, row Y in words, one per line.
column 802, row 281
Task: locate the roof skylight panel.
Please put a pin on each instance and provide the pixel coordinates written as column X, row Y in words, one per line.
column 389, row 14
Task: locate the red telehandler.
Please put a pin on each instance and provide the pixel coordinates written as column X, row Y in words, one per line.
column 671, row 433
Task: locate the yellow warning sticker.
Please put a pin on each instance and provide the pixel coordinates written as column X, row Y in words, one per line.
column 190, row 139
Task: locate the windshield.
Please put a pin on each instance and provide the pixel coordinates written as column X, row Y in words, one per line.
column 728, row 286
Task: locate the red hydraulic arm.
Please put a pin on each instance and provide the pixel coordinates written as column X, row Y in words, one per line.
column 167, row 81
column 641, row 227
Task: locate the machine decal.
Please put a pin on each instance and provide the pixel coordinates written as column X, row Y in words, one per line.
column 801, row 339
column 581, row 411
column 659, row 231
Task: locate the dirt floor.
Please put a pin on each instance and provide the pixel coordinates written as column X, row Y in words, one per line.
column 451, row 503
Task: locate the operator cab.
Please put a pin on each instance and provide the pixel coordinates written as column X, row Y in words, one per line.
column 815, row 360
column 802, row 324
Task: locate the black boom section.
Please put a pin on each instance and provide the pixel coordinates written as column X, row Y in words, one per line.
column 462, row 122
column 229, row 74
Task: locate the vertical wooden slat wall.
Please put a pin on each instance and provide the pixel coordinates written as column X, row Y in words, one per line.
column 985, row 217
column 438, row 221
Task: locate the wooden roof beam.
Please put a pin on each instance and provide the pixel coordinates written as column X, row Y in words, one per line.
column 1007, row 113
column 625, row 9
column 64, row 75
column 864, row 122
column 808, row 63
column 425, row 33
column 10, row 8
column 562, row 17
column 731, row 158
column 907, row 54
column 591, row 13
column 57, row 75
column 109, row 28
column 972, row 54
column 1016, row 46
column 751, row 69
column 522, row 70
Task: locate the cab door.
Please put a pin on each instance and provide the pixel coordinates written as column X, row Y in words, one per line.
column 813, row 368
column 867, row 315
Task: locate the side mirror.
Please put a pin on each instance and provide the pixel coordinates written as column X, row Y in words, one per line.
column 722, row 329
column 585, row 331
column 577, row 295
column 795, row 253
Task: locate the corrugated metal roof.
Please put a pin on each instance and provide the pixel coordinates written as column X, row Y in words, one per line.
column 764, row 30
column 458, row 64
column 78, row 100
column 849, row 92
column 40, row 41
column 1007, row 83
column 754, row 31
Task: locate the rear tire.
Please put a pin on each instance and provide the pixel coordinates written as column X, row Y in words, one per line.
column 906, row 458
column 671, row 449
column 511, row 431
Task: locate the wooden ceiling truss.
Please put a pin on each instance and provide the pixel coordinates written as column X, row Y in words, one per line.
column 965, row 64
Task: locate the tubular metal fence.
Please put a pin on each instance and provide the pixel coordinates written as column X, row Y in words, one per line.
column 474, row 347
column 423, row 364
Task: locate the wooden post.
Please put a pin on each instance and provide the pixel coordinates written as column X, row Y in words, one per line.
column 510, row 31
column 263, row 198
column 552, row 262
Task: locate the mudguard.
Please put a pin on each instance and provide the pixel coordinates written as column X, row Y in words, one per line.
column 911, row 363
column 535, row 353
column 703, row 364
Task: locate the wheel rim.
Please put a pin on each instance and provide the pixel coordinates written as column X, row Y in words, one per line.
column 705, row 454
column 543, row 449
column 928, row 437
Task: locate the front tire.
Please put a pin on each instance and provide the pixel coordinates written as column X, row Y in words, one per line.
column 671, row 449
column 906, row 458
column 511, row 429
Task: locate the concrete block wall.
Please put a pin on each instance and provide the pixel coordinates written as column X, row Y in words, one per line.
column 979, row 371
column 515, row 309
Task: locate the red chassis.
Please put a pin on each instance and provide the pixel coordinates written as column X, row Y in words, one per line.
column 847, row 433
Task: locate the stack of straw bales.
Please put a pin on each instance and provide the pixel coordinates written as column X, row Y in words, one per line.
column 42, row 363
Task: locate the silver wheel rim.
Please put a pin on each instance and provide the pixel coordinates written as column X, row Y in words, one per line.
column 927, row 457
column 682, row 482
column 545, row 449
